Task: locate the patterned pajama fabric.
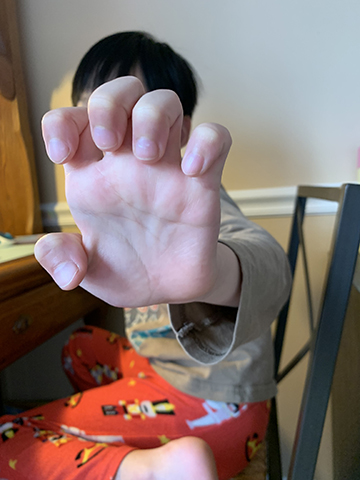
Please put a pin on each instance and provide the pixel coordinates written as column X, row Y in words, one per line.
column 121, row 404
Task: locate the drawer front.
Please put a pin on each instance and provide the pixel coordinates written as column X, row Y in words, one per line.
column 20, row 276
column 29, row 319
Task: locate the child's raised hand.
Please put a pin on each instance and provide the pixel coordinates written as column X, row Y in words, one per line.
column 149, row 220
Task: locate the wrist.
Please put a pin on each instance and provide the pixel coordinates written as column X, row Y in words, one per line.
column 227, row 287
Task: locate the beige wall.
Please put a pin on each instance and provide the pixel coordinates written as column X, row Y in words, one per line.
column 282, row 76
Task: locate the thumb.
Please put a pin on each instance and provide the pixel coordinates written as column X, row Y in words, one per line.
column 63, row 256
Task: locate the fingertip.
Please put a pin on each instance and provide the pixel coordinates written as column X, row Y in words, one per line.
column 61, row 131
column 65, row 275
column 105, row 138
column 109, row 109
column 58, row 151
column 146, row 149
column 193, row 164
column 63, row 257
column 207, row 150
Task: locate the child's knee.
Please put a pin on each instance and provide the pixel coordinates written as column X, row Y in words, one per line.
column 196, row 449
column 78, row 343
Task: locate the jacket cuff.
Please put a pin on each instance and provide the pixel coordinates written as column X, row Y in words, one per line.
column 205, row 332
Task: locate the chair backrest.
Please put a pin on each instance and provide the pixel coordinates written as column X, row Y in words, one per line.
column 326, row 331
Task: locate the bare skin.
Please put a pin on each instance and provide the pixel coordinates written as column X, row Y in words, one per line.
column 187, row 458
column 149, row 219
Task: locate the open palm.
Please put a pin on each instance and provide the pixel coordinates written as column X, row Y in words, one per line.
column 149, row 220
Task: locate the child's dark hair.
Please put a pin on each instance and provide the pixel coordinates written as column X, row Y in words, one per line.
column 116, row 55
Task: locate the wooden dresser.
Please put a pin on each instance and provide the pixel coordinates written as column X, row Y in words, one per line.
column 33, row 308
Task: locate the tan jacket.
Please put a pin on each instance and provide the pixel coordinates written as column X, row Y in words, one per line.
column 221, row 353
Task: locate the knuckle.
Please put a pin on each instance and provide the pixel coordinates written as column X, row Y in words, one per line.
column 148, row 112
column 210, row 133
column 102, row 99
column 45, row 117
column 50, row 117
column 134, row 82
column 215, row 136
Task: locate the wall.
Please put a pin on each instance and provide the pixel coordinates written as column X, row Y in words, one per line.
column 282, row 76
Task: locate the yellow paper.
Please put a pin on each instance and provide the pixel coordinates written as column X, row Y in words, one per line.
column 15, row 251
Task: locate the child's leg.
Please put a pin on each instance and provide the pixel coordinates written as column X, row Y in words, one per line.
column 89, row 355
column 93, row 357
column 140, row 411
column 187, row 458
column 32, row 449
column 223, row 450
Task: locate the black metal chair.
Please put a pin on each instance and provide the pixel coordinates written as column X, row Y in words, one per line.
column 325, row 334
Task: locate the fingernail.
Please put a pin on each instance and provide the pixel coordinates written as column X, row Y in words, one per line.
column 104, row 138
column 64, row 273
column 58, row 150
column 146, row 149
column 192, row 164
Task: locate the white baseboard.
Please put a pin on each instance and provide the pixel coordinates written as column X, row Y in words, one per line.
column 263, row 202
column 274, row 202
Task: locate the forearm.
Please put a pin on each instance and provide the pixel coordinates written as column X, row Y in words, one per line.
column 227, row 287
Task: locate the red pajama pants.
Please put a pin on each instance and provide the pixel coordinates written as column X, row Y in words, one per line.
column 122, row 404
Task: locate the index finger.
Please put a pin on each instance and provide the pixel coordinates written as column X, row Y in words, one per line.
column 61, row 130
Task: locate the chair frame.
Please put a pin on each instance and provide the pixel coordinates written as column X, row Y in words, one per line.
column 325, row 333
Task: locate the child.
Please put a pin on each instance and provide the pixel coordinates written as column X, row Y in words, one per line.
column 186, row 394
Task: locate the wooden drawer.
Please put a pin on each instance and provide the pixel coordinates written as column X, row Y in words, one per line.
column 21, row 275
column 31, row 318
